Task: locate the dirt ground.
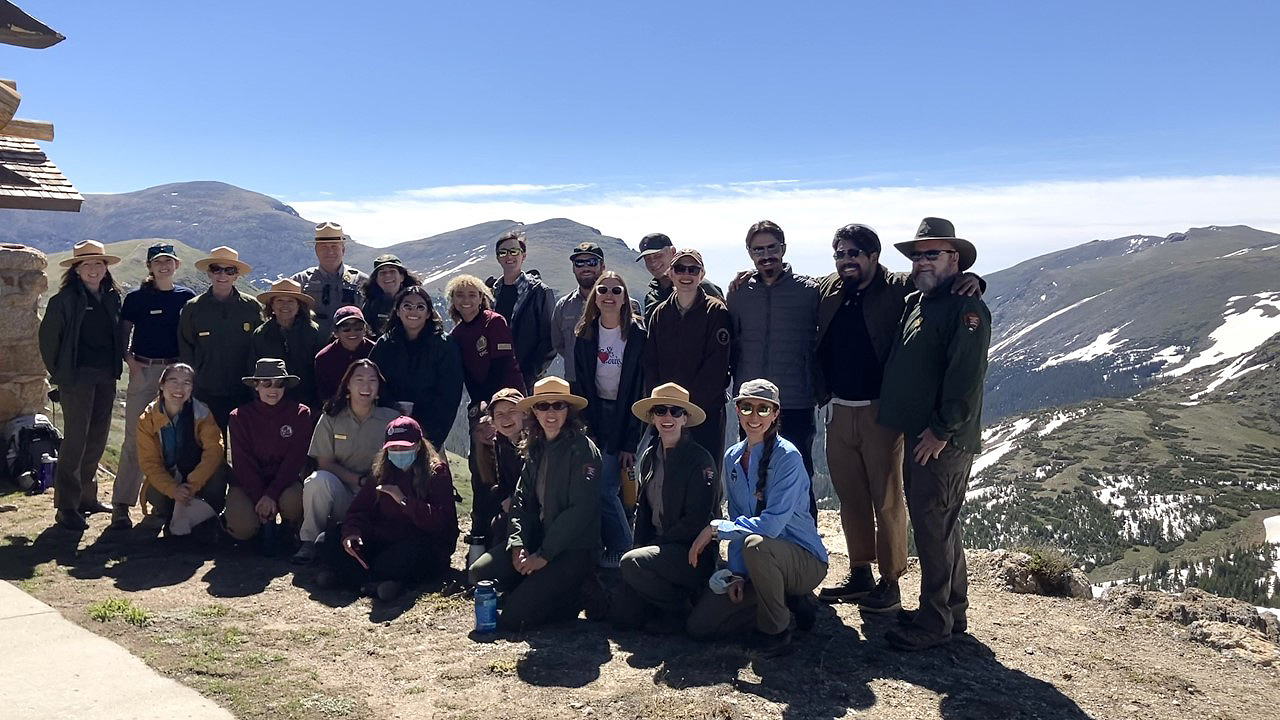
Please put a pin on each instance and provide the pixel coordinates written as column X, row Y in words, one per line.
column 264, row 642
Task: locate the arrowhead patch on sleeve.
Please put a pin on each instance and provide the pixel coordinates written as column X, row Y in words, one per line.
column 972, row 321
column 722, row 335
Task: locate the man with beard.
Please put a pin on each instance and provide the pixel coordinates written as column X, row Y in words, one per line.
column 658, row 253
column 861, row 304
column 932, row 393
column 588, row 266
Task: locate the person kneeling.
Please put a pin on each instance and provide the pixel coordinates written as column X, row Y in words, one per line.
column 775, row 552
column 403, row 524
column 269, row 440
column 181, row 456
column 555, row 516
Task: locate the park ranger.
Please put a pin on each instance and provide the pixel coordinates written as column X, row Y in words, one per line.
column 932, row 393
column 332, row 283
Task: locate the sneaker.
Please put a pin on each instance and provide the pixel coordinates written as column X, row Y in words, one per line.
column 856, row 584
column 771, row 646
column 805, row 608
column 388, row 590
column 305, row 555
column 120, row 519
column 885, row 598
column 959, row 626
column 914, row 638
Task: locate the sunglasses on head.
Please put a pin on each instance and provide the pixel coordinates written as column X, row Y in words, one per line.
column 761, row 410
column 682, row 269
column 228, row 270
column 512, row 252
column 674, row 411
column 556, row 405
column 270, row 383
column 586, row 262
column 605, row 290
column 929, row 255
column 853, row 254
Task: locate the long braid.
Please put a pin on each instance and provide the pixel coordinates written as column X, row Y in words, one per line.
column 770, row 439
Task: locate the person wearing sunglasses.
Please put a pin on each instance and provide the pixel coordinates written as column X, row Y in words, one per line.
column 688, row 345
column 657, row 252
column 932, row 394
column 499, row 434
column 289, row 332
column 858, row 313
column 587, row 260
column 608, row 357
column 421, row 365
column 215, row 330
column 678, row 496
column 350, row 343
column 269, row 440
column 526, row 303
column 775, row 556
column 389, row 277
column 331, row 283
column 182, row 457
column 551, row 553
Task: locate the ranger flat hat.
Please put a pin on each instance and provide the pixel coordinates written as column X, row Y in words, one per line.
column 329, row 232
column 270, row 369
column 223, row 255
column 285, row 287
column 550, row 389
column 652, row 243
column 89, row 250
column 932, row 228
column 668, row 394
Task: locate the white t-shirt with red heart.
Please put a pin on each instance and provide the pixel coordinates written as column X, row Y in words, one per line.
column 609, row 362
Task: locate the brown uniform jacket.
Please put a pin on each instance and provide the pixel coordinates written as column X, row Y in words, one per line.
column 690, row 349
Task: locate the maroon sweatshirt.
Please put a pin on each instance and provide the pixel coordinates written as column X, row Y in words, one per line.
column 332, row 362
column 268, row 446
column 488, row 356
column 432, row 520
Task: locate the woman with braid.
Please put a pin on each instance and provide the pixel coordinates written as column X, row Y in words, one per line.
column 776, row 558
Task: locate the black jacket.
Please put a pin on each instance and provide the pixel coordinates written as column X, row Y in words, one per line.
column 426, row 372
column 689, row 497
column 530, row 325
column 621, row 432
column 59, row 334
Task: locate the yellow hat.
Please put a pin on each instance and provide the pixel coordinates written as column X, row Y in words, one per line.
column 329, row 232
column 285, row 287
column 550, row 389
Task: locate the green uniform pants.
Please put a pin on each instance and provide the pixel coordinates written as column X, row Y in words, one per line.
column 775, row 569
column 661, row 576
column 935, row 495
column 550, row 594
column 86, row 421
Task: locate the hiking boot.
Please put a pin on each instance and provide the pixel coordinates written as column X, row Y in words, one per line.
column 95, row 506
column 388, row 590
column 766, row 645
column 68, row 520
column 912, row 638
column 305, row 555
column 885, row 598
column 595, row 601
column 959, row 626
column 856, row 584
column 120, row 517
column 805, row 608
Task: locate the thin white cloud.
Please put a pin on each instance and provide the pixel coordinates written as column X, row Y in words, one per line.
column 462, row 192
column 1008, row 223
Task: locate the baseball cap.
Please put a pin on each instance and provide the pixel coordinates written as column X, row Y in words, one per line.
column 759, row 390
column 402, row 433
column 587, row 248
column 689, row 252
column 160, row 250
column 652, row 243
column 347, row 312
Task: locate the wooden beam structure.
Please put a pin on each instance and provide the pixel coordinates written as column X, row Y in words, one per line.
column 9, row 100
column 29, row 129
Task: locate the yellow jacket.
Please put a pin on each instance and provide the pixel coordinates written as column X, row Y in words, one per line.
column 151, row 451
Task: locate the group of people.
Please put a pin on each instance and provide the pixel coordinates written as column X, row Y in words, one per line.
column 335, row 391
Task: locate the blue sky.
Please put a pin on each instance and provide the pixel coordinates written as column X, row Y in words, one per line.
column 341, row 107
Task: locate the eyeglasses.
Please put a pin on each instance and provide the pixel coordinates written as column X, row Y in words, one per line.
column 512, row 252
column 853, row 254
column 355, row 326
column 228, row 270
column 556, row 405
column 770, row 249
column 674, row 411
column 586, row 262
column 761, row 410
column 269, row 383
column 929, row 255
column 420, row 307
column 605, row 290
column 681, row 269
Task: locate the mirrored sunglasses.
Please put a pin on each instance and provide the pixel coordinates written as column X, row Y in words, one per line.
column 761, row 410
column 605, row 290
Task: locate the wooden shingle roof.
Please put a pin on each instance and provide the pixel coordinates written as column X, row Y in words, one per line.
column 29, row 181
column 19, row 28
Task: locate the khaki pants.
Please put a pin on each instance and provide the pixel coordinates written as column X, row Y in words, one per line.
column 144, row 386
column 242, row 519
column 775, row 569
column 324, row 497
column 865, row 461
column 935, row 496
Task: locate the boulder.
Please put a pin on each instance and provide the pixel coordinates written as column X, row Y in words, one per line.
column 1241, row 642
column 23, row 385
column 1191, row 606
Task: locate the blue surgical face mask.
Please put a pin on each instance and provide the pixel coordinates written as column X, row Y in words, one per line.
column 402, row 459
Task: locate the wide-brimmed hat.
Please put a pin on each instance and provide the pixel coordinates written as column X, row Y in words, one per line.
column 402, row 433
column 270, row 369
column 669, row 394
column 223, row 255
column 285, row 287
column 550, row 389
column 932, row 228
column 384, row 260
column 89, row 250
column 759, row 390
column 652, row 243
column 328, row 232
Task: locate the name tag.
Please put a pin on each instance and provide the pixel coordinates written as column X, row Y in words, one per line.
column 157, row 312
column 504, row 346
column 336, row 436
column 203, row 334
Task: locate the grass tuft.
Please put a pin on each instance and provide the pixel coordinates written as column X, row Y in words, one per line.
column 113, row 608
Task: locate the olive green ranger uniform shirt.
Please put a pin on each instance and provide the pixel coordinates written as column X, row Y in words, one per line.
column 214, row 337
column 933, row 377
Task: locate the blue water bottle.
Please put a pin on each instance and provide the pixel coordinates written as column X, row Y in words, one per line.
column 486, row 607
column 48, row 467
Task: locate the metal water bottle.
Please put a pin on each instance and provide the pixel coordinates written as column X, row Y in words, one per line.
column 475, row 547
column 486, row 607
column 48, row 467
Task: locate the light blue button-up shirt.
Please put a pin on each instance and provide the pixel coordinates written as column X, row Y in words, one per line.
column 786, row 513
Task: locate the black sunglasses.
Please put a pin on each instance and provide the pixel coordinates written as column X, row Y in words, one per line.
column 553, row 405
column 853, row 254
column 674, row 411
column 270, row 383
column 586, row 262
column 681, row 269
column 929, row 255
column 228, row 270
column 603, row 290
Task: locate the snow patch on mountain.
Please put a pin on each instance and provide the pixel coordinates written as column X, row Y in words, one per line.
column 1236, row 369
column 1146, row 515
column 1000, row 346
column 1003, row 435
column 1057, row 421
column 1241, row 331
column 477, row 254
column 1104, row 344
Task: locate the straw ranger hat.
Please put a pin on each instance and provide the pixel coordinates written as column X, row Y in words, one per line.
column 932, row 228
column 285, row 287
column 89, row 250
column 669, row 394
column 270, row 369
column 223, row 255
column 550, row 389
column 329, row 232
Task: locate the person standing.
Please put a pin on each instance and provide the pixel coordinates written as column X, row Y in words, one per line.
column 215, row 329
column 150, row 325
column 526, row 303
column 350, row 343
column 290, row 333
column 657, row 252
column 388, row 278
column 331, row 283
column 588, row 265
column 932, row 394
column 82, row 345
column 688, row 344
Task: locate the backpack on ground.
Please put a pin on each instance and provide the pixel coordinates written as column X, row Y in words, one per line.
column 24, row 440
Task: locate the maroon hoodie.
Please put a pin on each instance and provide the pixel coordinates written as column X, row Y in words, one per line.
column 268, row 446
column 433, row 520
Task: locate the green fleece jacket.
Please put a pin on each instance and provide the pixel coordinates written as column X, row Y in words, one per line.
column 568, row 515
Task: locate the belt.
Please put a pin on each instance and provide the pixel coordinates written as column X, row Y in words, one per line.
column 850, row 403
column 153, row 361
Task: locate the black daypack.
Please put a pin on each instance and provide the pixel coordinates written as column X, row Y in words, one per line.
column 25, row 439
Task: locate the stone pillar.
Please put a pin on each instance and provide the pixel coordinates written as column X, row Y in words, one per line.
column 23, row 384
